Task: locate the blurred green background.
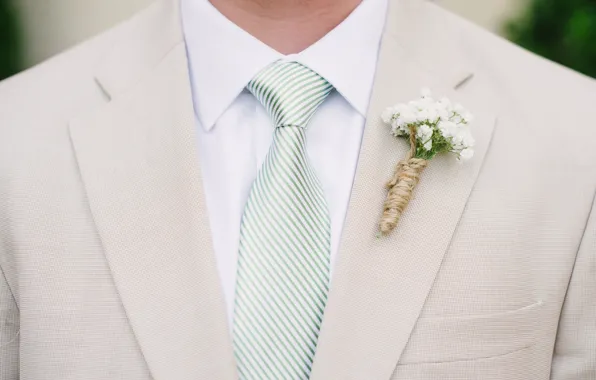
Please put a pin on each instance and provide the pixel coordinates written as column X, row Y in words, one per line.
column 562, row 30
column 10, row 42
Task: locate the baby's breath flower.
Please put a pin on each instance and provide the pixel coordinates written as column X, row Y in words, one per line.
column 408, row 116
column 468, row 140
column 387, row 115
column 466, row 154
column 440, row 126
column 424, row 132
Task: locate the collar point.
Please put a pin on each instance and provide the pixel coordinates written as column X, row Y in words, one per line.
column 205, row 123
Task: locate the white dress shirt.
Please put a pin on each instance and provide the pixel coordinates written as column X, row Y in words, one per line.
column 235, row 132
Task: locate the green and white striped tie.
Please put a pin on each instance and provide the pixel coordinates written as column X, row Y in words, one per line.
column 283, row 261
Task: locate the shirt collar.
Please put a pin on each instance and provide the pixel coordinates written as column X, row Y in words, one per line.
column 223, row 58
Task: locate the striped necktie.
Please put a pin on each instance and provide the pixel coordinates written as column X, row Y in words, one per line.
column 283, row 262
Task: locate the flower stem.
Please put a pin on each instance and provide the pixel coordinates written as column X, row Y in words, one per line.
column 401, row 186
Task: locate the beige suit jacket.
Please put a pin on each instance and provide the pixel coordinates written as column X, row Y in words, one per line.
column 107, row 264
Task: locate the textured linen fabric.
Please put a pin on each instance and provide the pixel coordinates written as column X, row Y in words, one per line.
column 234, row 130
column 106, row 248
column 575, row 349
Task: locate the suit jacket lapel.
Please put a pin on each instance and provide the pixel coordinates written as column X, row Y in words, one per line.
column 380, row 285
column 138, row 161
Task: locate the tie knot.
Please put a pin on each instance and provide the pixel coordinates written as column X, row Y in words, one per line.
column 290, row 91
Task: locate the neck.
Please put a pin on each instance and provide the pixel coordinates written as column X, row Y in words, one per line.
column 288, row 26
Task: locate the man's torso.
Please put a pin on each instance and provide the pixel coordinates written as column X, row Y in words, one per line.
column 105, row 244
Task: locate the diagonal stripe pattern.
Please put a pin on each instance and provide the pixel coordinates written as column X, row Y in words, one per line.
column 283, row 261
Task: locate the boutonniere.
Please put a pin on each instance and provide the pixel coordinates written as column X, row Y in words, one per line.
column 432, row 127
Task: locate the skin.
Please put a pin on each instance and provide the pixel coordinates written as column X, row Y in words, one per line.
column 288, row 26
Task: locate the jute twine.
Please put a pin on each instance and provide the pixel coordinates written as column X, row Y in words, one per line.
column 401, row 187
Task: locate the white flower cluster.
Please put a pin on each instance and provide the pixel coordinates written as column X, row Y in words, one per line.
column 436, row 122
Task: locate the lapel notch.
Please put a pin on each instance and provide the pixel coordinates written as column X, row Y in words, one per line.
column 381, row 284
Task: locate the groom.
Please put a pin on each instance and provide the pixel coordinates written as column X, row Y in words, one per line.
column 196, row 194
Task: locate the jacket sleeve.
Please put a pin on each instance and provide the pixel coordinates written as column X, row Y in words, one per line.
column 575, row 349
column 9, row 331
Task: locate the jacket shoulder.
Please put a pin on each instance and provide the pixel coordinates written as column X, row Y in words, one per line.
column 493, row 52
column 37, row 104
column 545, row 90
column 52, row 75
column 60, row 81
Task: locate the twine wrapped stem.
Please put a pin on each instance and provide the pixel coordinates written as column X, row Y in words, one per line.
column 406, row 177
